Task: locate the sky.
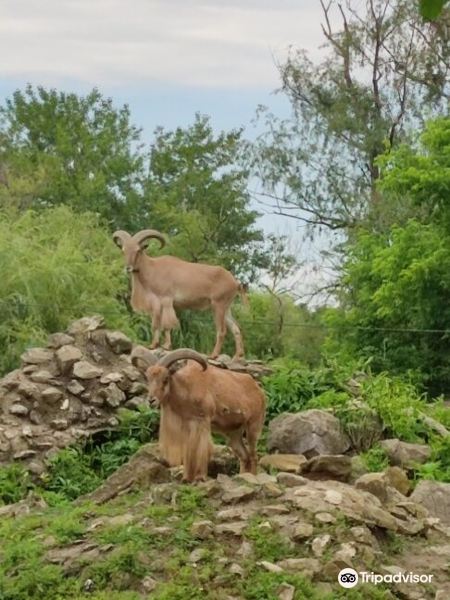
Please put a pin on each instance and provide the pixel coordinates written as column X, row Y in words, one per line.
column 166, row 59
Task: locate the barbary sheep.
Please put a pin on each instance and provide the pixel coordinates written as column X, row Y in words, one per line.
column 161, row 285
column 198, row 399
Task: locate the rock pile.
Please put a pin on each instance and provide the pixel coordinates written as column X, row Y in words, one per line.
column 71, row 389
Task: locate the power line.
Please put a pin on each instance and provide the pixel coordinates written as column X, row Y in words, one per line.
column 260, row 321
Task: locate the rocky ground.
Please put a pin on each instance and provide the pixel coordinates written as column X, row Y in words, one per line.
column 278, row 535
column 283, row 534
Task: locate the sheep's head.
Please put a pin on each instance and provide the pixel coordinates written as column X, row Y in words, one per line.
column 133, row 247
column 158, row 378
column 159, row 372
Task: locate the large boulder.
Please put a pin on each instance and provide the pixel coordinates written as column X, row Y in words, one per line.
column 405, row 454
column 435, row 496
column 311, row 432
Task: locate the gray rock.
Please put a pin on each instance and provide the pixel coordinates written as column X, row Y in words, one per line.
column 308, row 566
column 330, row 466
column 86, row 324
column 59, row 424
column 85, row 370
column 319, row 544
column 113, row 377
column 114, row 395
column 75, row 388
column 56, row 340
column 119, row 342
column 289, row 463
column 435, row 497
column 19, row 409
column 404, row 454
column 41, row 376
column 67, row 356
column 37, row 356
column 23, row 454
column 202, row 529
column 239, row 493
column 235, row 528
column 311, row 432
column 302, row 531
column 51, row 395
column 291, row 480
column 29, row 390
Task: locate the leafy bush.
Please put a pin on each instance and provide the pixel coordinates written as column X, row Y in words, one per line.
column 375, row 459
column 55, row 266
column 14, row 483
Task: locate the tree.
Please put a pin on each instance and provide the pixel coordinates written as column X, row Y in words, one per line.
column 198, row 195
column 431, row 9
column 58, row 148
column 396, row 282
column 55, row 266
column 384, row 70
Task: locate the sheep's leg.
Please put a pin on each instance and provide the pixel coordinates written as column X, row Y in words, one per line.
column 238, row 446
column 253, row 432
column 234, row 328
column 221, row 329
column 167, row 340
column 156, row 328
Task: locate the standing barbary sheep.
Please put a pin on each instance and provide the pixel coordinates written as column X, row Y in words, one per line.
column 197, row 399
column 162, row 284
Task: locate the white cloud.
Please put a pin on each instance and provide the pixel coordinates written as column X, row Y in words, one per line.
column 187, row 42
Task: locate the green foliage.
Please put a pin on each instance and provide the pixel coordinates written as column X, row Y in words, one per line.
column 397, row 282
column 199, row 197
column 54, row 267
column 431, row 9
column 438, row 467
column 70, row 474
column 14, row 483
column 79, row 151
column 375, row 459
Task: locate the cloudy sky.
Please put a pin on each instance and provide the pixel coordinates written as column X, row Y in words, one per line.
column 166, row 58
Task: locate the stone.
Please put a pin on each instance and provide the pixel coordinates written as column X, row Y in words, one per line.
column 198, row 555
column 24, row 454
column 235, row 528
column 113, row 377
column 85, row 370
column 202, row 529
column 29, row 390
column 329, row 466
column 310, row 432
column 114, row 395
column 75, row 387
column 274, row 509
column 302, row 531
column 405, row 454
column 290, row 463
column 35, row 417
column 291, row 480
column 56, row 340
column 229, row 514
column 319, row 544
column 66, row 357
column 397, row 478
column 270, row 567
column 37, row 356
column 119, row 342
column 435, row 497
column 346, row 553
column 247, row 478
column 41, row 376
column 375, row 483
column 86, row 324
column 19, row 409
column 235, row 569
column 324, row 517
column 285, row 591
column 307, row 566
column 59, row 424
column 271, row 490
column 51, row 395
column 239, row 493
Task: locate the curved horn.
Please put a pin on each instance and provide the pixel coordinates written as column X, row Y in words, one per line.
column 146, row 234
column 143, row 355
column 180, row 354
column 120, row 236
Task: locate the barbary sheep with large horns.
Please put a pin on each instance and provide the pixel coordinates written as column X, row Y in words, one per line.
column 198, row 399
column 162, row 284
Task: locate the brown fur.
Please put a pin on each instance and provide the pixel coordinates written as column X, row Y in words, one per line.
column 161, row 285
column 195, row 402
